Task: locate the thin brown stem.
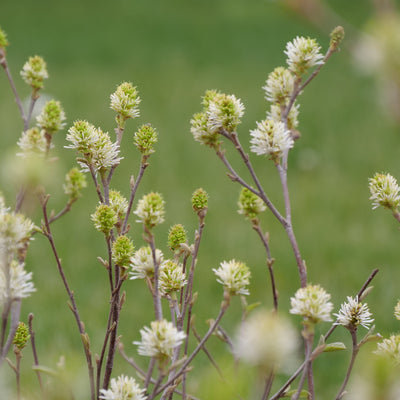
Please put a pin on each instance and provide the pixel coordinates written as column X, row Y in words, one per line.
column 268, row 385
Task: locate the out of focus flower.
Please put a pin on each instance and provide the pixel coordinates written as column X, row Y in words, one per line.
column 234, row 276
column 390, row 348
column 3, row 39
column 352, row 314
column 75, row 181
column 397, row 310
column 384, row 191
column 32, row 142
column 123, row 388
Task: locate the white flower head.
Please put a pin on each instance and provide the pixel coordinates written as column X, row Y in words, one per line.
column 271, row 139
column 123, row 388
column 142, row 263
column 303, row 54
column 384, row 191
column 125, row 100
column 353, row 313
column 279, row 86
column 34, row 72
column 105, row 153
column 160, row 339
column 390, row 348
column 200, row 131
column 118, row 203
column 172, row 278
column 51, row 118
column 150, row 210
column 234, row 276
column 275, row 113
column 267, row 341
column 312, row 302
column 32, row 142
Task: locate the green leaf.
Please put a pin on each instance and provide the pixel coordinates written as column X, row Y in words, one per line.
column 336, row 346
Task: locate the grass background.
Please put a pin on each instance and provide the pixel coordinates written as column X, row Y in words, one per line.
column 174, row 51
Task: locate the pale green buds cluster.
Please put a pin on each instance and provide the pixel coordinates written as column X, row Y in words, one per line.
column 34, row 72
column 21, row 336
column 123, row 388
column 303, row 54
column 150, row 210
column 122, row 251
column 271, row 138
column 3, row 39
column 176, row 237
column 75, row 181
column 118, row 203
column 159, row 340
column 250, row 205
column 199, row 200
column 234, row 276
column 172, row 277
column 52, row 117
column 267, row 341
column 145, row 139
column 33, row 142
column 142, row 263
column 352, row 314
column 337, row 36
column 390, row 348
column 104, row 219
column 220, row 112
column 94, row 145
column 125, row 102
column 312, row 302
column 384, row 191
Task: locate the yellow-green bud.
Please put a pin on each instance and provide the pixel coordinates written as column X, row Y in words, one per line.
column 145, row 139
column 200, row 131
column 75, row 181
column 250, row 205
column 52, row 117
column 125, row 102
column 176, row 236
column 122, row 251
column 3, row 39
column 34, row 72
column 118, row 203
column 337, row 35
column 104, row 219
column 200, row 200
column 21, row 336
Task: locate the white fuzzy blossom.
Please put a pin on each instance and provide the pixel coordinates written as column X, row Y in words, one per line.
column 118, row 203
column 200, row 131
column 234, row 276
column 390, row 348
column 303, row 54
column 275, row 113
column 353, row 313
column 142, row 263
column 125, row 100
column 397, row 310
column 32, row 142
column 172, row 278
column 271, row 139
column 312, row 302
column 15, row 282
column 267, row 341
column 279, row 86
column 160, row 339
column 123, row 388
column 150, row 210
column 384, row 191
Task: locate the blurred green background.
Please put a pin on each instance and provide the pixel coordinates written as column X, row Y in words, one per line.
column 173, row 51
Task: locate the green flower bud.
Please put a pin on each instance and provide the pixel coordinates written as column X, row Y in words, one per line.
column 75, row 181
column 34, row 72
column 51, row 118
column 200, row 131
column 118, row 203
column 104, row 219
column 122, row 251
column 176, row 236
column 337, row 35
column 21, row 336
column 250, row 205
column 3, row 39
column 145, row 139
column 150, row 210
column 384, row 191
column 199, row 200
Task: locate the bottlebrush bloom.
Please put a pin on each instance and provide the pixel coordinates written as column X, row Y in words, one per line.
column 353, row 313
column 234, row 276
column 150, row 210
column 142, row 263
column 384, row 191
column 123, row 388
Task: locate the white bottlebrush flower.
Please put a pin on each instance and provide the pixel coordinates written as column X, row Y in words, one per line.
column 51, row 118
column 15, row 231
column 353, row 313
column 150, row 210
column 200, row 131
column 267, row 341
column 142, row 263
column 172, row 277
column 82, row 136
column 279, row 86
column 303, row 54
column 397, row 310
column 234, row 276
column 15, row 282
column 105, row 153
column 384, row 191
column 275, row 113
column 271, row 139
column 32, row 142
column 125, row 100
column 160, row 339
column 118, row 203
column 123, row 388
column 390, row 348
column 312, row 302
column 34, row 72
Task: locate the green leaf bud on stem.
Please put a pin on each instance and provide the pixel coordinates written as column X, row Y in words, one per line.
column 21, row 336
column 75, row 181
column 150, row 210
column 145, row 139
column 176, row 236
column 52, row 117
column 34, row 72
column 337, row 35
column 122, row 251
column 250, row 205
column 104, row 219
column 200, row 200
